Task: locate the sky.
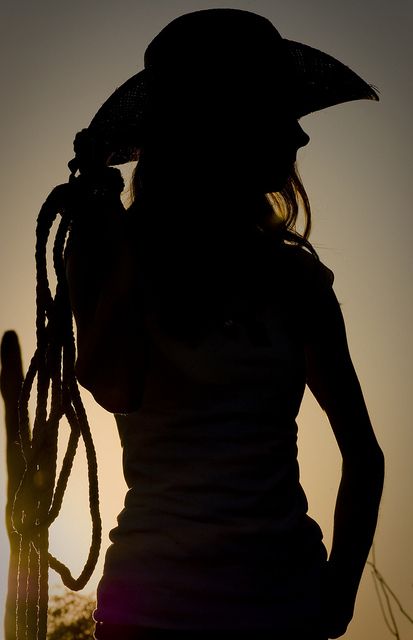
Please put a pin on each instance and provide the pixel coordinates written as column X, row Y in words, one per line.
column 59, row 61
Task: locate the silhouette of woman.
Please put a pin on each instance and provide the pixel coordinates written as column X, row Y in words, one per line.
column 201, row 314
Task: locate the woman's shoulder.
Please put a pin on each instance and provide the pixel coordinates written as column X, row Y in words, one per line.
column 299, row 263
column 306, row 286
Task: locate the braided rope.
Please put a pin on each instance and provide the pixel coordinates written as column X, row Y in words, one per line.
column 39, row 496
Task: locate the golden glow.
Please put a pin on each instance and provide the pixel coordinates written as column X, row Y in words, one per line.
column 355, row 171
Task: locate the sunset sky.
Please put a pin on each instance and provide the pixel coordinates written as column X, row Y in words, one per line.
column 60, row 61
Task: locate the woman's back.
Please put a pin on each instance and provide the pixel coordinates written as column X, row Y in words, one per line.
column 214, row 507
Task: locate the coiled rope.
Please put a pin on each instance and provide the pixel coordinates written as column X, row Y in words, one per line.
column 40, row 492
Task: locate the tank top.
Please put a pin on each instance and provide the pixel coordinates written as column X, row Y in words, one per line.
column 215, row 532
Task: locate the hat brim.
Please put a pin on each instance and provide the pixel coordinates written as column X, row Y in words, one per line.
column 323, row 81
column 320, row 81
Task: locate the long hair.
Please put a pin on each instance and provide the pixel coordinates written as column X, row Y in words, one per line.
column 284, row 210
column 287, row 205
column 193, row 284
column 286, row 215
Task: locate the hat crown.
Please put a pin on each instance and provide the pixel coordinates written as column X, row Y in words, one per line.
column 214, row 38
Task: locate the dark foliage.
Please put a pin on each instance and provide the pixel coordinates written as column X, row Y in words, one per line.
column 70, row 616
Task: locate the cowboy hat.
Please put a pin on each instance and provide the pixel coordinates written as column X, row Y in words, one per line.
column 221, row 43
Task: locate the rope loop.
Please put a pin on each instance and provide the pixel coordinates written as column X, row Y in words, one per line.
column 41, row 489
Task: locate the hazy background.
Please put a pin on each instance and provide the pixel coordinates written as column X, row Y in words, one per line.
column 59, row 61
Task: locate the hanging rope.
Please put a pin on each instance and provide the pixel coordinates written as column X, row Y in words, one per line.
column 39, row 495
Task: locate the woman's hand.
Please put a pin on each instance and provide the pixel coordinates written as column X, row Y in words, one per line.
column 337, row 601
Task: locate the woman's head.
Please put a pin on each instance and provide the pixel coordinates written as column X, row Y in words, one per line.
column 217, row 139
column 221, row 101
column 215, row 143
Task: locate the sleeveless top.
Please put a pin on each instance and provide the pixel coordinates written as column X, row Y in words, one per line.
column 214, row 532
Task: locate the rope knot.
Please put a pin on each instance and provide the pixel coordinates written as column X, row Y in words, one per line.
column 89, row 152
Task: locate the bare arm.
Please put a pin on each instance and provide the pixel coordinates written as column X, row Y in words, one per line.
column 334, row 383
column 105, row 298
